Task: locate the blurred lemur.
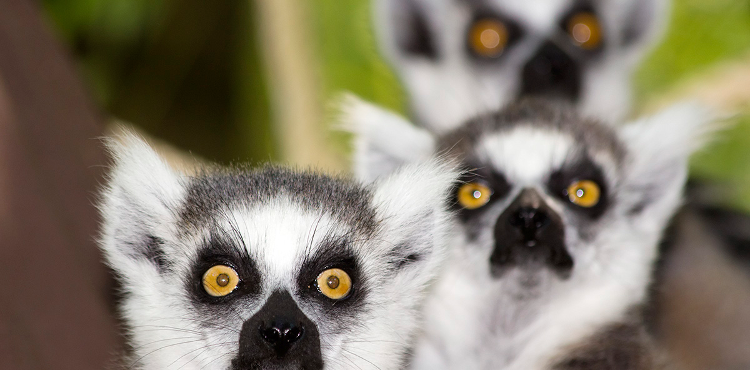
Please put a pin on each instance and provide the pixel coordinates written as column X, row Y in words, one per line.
column 558, row 225
column 461, row 58
column 270, row 269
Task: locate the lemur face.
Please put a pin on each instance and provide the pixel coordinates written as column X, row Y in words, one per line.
column 538, row 192
column 270, row 269
column 461, row 58
column 547, row 194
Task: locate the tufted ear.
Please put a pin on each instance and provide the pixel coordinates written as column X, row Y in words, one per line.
column 643, row 23
column 383, row 140
column 406, row 28
column 413, row 205
column 137, row 205
column 659, row 148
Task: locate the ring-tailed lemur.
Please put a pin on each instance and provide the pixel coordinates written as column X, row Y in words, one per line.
column 271, row 268
column 559, row 223
column 460, row 58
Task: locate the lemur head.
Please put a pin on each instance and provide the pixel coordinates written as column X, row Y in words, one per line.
column 271, row 268
column 549, row 196
column 461, row 58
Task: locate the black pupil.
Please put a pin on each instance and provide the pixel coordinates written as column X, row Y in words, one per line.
column 333, row 282
column 222, row 280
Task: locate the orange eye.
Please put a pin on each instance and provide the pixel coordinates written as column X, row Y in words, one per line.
column 488, row 38
column 220, row 280
column 584, row 193
column 334, row 283
column 585, row 31
column 473, row 195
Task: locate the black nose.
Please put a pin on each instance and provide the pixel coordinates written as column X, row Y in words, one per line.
column 529, row 234
column 551, row 72
column 281, row 334
column 529, row 221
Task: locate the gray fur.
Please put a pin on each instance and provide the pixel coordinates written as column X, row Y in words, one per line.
column 214, row 189
column 589, row 133
column 624, row 345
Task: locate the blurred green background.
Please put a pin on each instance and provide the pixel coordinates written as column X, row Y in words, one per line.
column 222, row 79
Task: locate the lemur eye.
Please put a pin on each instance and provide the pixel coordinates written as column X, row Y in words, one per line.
column 585, row 31
column 488, row 38
column 473, row 195
column 220, row 280
column 334, row 283
column 584, row 193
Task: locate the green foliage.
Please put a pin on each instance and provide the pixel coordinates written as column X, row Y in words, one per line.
column 349, row 54
column 727, row 161
column 701, row 33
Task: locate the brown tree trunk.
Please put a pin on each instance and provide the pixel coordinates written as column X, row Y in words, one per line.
column 53, row 308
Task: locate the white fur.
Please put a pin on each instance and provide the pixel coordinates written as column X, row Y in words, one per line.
column 446, row 92
column 670, row 135
column 143, row 199
column 147, row 189
column 526, row 164
column 409, row 146
column 476, row 322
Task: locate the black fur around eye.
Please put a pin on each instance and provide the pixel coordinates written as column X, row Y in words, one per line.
column 488, row 38
column 583, row 27
column 473, row 195
column 333, row 254
column 492, row 185
column 584, row 193
column 221, row 255
column 592, row 199
column 585, row 31
column 490, row 35
column 414, row 37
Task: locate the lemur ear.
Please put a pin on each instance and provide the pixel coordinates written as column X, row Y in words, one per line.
column 383, row 140
column 643, row 23
column 413, row 206
column 660, row 147
column 405, row 28
column 139, row 200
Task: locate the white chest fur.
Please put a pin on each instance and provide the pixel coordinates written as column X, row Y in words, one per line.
column 519, row 322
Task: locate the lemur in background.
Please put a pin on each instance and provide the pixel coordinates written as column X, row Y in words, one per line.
column 270, row 269
column 558, row 225
column 461, row 58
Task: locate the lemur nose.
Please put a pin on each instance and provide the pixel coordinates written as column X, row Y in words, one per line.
column 551, row 73
column 281, row 334
column 529, row 221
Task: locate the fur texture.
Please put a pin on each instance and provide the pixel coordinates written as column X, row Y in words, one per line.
column 527, row 316
column 426, row 42
column 278, row 229
column 622, row 346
